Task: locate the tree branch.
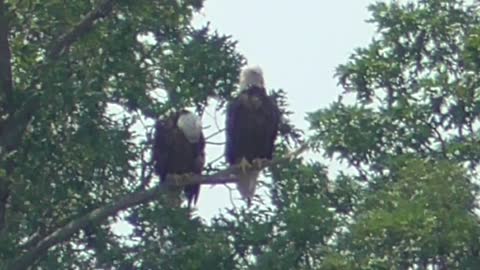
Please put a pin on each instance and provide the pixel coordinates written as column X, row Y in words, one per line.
column 215, row 143
column 6, row 101
column 215, row 133
column 228, row 175
column 6, row 85
column 67, row 39
column 4, row 194
column 13, row 127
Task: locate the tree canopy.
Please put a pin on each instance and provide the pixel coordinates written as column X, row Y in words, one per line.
column 80, row 80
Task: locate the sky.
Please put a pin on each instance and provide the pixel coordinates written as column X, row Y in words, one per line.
column 298, row 44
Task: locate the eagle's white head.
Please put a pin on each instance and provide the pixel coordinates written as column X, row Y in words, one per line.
column 251, row 76
column 191, row 126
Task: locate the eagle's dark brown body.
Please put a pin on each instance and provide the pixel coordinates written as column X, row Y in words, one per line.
column 173, row 153
column 252, row 125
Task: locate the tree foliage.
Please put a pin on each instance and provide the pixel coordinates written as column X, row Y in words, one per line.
column 80, row 80
column 411, row 135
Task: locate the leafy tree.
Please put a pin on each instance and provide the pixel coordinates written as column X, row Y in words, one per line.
column 79, row 79
column 412, row 136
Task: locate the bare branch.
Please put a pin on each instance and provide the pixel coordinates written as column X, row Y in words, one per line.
column 215, row 133
column 215, row 120
column 67, row 39
column 230, row 194
column 228, row 175
column 215, row 143
column 210, row 164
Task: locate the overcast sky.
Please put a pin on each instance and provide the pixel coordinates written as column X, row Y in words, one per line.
column 298, row 44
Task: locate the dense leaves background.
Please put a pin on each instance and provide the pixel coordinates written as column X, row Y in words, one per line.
column 85, row 75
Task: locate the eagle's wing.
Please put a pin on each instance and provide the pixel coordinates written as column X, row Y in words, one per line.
column 234, row 120
column 192, row 191
column 200, row 155
column 160, row 149
column 273, row 125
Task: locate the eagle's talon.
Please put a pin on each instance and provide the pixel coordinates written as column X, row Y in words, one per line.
column 244, row 165
column 258, row 163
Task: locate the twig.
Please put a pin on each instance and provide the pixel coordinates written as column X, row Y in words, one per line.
column 216, row 120
column 443, row 145
column 215, row 160
column 230, row 195
column 214, row 117
column 215, row 133
column 215, row 143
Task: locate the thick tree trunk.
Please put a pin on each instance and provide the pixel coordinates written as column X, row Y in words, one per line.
column 5, row 60
column 6, row 89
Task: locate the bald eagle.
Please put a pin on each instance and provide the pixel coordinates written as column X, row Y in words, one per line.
column 251, row 128
column 179, row 148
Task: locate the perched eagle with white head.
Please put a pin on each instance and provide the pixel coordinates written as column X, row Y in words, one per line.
column 179, row 148
column 251, row 128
